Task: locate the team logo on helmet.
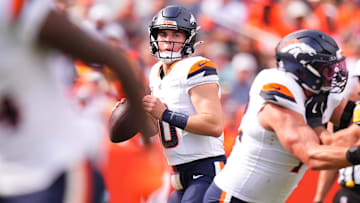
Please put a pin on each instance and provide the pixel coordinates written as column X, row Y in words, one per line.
column 169, row 22
column 299, row 48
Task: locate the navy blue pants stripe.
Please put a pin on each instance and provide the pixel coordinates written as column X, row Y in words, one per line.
column 213, row 195
column 54, row 194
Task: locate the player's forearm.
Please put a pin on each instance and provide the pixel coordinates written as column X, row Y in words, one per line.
column 325, row 181
column 327, row 157
column 153, row 123
column 208, row 125
column 58, row 32
column 302, row 141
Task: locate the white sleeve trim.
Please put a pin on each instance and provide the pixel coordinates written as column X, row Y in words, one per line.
column 205, row 82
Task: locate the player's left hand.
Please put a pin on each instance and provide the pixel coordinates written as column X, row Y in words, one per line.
column 153, row 106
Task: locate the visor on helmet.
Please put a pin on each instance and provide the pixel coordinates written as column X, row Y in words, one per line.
column 334, row 76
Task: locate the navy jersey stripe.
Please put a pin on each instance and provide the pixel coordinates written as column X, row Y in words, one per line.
column 270, row 96
column 207, row 69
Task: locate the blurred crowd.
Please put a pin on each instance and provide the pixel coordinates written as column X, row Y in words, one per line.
column 239, row 36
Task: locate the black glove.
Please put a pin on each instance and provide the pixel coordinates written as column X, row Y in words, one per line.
column 315, row 108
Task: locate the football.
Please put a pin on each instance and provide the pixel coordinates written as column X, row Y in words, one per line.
column 122, row 123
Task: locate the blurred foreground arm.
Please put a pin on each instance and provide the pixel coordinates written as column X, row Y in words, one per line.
column 58, row 32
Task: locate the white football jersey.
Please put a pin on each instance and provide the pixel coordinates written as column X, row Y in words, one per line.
column 179, row 145
column 259, row 168
column 49, row 137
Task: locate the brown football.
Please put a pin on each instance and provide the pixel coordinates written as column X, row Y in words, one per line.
column 122, row 123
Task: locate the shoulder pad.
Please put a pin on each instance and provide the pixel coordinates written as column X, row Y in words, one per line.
column 203, row 66
column 274, row 91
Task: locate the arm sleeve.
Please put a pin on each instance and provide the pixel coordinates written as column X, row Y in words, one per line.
column 202, row 72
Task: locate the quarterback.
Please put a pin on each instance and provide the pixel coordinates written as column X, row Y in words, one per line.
column 184, row 104
column 280, row 134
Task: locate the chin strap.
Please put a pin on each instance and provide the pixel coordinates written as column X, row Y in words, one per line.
column 198, row 43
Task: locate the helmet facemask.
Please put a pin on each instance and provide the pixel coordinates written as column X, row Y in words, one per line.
column 173, row 18
column 186, row 49
column 334, row 76
column 169, row 56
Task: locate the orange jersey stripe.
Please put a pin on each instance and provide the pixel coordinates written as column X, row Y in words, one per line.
column 278, row 88
column 16, row 8
column 200, row 64
column 222, row 197
column 222, row 164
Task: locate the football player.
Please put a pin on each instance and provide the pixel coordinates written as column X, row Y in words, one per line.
column 41, row 139
column 184, row 104
column 279, row 134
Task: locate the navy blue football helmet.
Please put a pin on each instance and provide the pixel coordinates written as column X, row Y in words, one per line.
column 177, row 18
column 314, row 59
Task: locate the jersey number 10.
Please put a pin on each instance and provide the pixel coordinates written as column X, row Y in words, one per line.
column 168, row 134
